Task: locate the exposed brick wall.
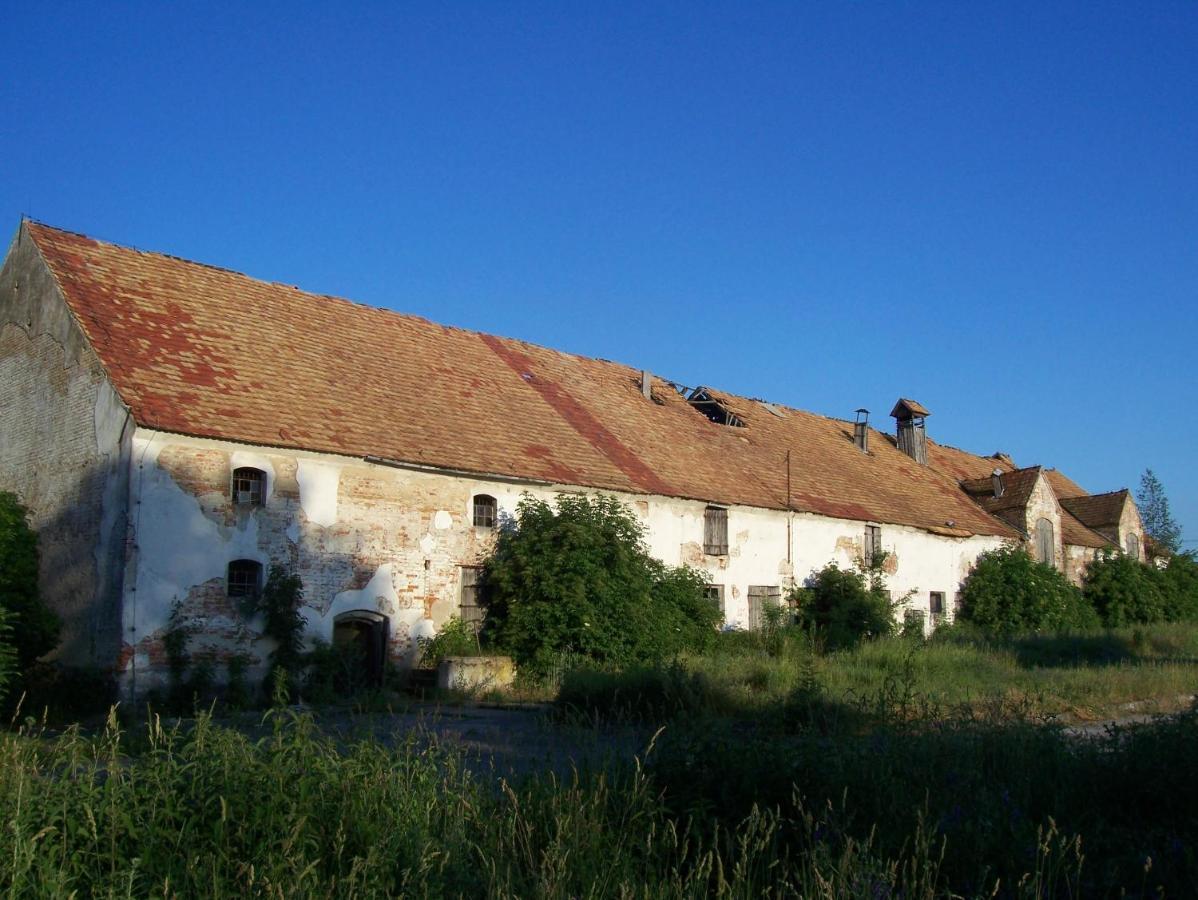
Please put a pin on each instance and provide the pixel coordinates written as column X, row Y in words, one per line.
column 61, row 453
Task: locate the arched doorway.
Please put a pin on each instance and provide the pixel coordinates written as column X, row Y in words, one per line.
column 362, row 634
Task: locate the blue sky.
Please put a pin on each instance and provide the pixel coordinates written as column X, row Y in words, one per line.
column 990, row 208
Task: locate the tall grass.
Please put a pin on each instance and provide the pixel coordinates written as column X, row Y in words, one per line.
column 917, row 812
column 210, row 813
column 1084, row 675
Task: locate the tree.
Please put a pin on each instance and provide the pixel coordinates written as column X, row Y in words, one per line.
column 35, row 626
column 1154, row 511
column 578, row 580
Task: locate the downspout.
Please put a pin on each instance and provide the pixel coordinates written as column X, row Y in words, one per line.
column 135, row 558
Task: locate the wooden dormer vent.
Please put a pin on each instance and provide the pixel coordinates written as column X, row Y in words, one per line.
column 912, row 435
column 996, row 477
column 861, row 430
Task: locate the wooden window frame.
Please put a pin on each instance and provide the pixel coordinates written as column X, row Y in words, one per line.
column 243, row 578
column 1045, row 529
column 714, row 594
column 872, row 545
column 485, row 510
column 254, row 480
column 758, row 597
column 472, row 613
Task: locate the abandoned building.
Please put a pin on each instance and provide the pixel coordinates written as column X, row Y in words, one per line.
column 176, row 429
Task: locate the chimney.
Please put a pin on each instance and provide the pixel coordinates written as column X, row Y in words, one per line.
column 912, row 438
column 646, row 384
column 996, row 478
column 861, row 430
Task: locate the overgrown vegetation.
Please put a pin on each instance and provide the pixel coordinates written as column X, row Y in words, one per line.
column 456, row 638
column 577, row 581
column 973, row 807
column 35, row 627
column 1008, row 592
column 279, row 605
column 844, row 607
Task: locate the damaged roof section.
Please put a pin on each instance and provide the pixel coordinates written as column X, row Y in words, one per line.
column 199, row 350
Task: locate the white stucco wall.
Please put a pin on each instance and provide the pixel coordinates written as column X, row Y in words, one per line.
column 392, row 540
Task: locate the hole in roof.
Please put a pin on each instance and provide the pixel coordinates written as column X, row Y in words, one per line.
column 713, row 409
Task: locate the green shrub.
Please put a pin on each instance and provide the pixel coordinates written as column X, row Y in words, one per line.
column 35, row 627
column 578, row 581
column 1124, row 591
column 1007, row 592
column 456, row 638
column 842, row 607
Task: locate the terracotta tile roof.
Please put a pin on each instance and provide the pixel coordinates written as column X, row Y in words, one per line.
column 1017, row 489
column 963, row 465
column 1097, row 510
column 1074, row 531
column 204, row 351
column 1064, row 486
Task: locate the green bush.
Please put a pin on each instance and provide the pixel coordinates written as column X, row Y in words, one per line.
column 456, row 638
column 1124, row 591
column 578, row 580
column 35, row 627
column 842, row 607
column 1007, row 592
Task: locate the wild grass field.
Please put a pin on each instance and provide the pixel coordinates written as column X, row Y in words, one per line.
column 898, row 769
column 1075, row 677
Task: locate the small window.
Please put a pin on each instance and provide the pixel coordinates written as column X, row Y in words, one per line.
column 245, row 578
column 715, row 531
column 1045, row 542
column 484, row 511
column 470, row 610
column 714, row 594
column 248, row 486
column 873, row 545
column 762, row 596
column 1133, row 545
column 936, row 605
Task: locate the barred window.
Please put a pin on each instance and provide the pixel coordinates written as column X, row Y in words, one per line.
column 715, row 531
column 248, row 486
column 485, row 509
column 245, row 578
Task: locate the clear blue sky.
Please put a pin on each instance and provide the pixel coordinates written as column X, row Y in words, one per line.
column 992, row 208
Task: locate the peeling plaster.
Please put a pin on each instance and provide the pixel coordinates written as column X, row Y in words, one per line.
column 178, row 547
column 318, row 483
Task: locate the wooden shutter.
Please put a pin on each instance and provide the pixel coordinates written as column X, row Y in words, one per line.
column 715, row 531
